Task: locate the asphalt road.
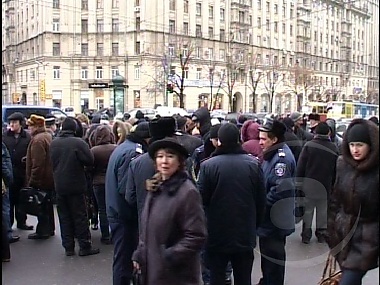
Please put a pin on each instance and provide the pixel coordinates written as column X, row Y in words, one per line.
column 44, row 263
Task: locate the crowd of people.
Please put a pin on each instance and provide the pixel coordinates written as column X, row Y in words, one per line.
column 183, row 200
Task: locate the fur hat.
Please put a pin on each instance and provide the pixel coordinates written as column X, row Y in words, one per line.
column 36, row 121
column 162, row 127
column 170, row 143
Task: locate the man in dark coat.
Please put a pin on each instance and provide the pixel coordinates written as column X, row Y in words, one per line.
column 316, row 170
column 291, row 139
column 279, row 168
column 333, row 135
column 299, row 128
column 69, row 156
column 234, row 206
column 17, row 140
column 188, row 141
column 122, row 216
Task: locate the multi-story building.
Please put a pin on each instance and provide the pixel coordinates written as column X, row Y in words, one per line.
column 215, row 53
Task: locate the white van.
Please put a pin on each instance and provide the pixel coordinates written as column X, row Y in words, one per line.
column 165, row 111
column 69, row 111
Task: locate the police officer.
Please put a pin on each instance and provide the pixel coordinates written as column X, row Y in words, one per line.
column 279, row 168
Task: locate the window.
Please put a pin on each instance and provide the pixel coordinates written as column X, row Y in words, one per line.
column 291, row 13
column 186, row 6
column 222, row 35
column 137, row 71
column 99, row 49
column 55, row 25
column 56, row 72
column 32, row 74
column 114, row 71
column 56, row 49
column 137, row 48
column 171, row 50
column 56, row 4
column 291, row 30
column 210, row 53
column 267, row 25
column 186, row 72
column 84, row 72
column 172, row 5
column 85, row 5
column 185, row 51
column 138, row 22
column 211, row 12
column 275, row 27
column 99, row 25
column 221, row 14
column 267, row 7
column 185, row 28
column 211, row 33
column 172, row 26
column 198, row 74
column 283, row 28
column 198, row 31
column 115, row 25
column 115, row 49
column 259, row 4
column 84, row 49
column 84, row 26
column 222, row 54
column 275, row 9
column 198, row 52
column 99, row 72
column 259, row 22
column 283, row 11
column 115, row 3
column 198, row 9
column 99, row 4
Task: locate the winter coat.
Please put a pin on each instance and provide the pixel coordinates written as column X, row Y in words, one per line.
column 303, row 135
column 293, row 143
column 39, row 171
column 235, row 204
column 250, row 137
column 117, row 177
column 104, row 146
column 69, row 156
column 204, row 120
column 140, row 169
column 172, row 234
column 17, row 148
column 316, row 167
column 354, row 207
column 6, row 166
column 188, row 141
column 279, row 168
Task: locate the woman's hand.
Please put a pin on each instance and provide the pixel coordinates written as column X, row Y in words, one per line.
column 136, row 267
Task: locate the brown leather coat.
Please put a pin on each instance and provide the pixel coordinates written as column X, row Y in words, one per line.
column 39, row 170
column 172, row 234
column 353, row 220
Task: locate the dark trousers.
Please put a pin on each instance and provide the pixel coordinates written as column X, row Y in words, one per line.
column 241, row 263
column 15, row 210
column 6, row 212
column 73, row 221
column 352, row 277
column 273, row 257
column 206, row 270
column 5, row 248
column 46, row 223
column 100, row 196
column 320, row 205
column 124, row 237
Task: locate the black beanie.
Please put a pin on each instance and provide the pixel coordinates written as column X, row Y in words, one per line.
column 69, row 124
column 214, row 131
column 358, row 133
column 228, row 134
column 322, row 129
column 142, row 130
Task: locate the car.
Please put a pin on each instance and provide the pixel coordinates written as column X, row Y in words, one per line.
column 219, row 114
column 235, row 116
column 28, row 110
column 148, row 112
column 164, row 111
column 69, row 111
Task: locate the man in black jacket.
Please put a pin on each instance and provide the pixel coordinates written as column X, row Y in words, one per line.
column 70, row 155
column 234, row 206
column 17, row 141
column 316, row 172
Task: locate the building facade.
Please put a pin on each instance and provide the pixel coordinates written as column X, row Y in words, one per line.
column 258, row 55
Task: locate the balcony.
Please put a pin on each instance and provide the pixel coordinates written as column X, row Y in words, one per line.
column 241, row 3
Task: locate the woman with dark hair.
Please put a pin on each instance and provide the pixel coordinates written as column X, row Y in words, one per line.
column 353, row 219
column 173, row 223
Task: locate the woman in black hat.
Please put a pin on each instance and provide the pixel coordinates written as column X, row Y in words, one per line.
column 172, row 228
column 353, row 220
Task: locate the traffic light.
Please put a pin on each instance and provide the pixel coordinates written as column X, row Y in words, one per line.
column 170, row 88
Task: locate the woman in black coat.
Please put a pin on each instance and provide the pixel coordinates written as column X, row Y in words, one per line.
column 353, row 221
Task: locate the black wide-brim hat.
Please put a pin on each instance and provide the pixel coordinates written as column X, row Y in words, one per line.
column 167, row 143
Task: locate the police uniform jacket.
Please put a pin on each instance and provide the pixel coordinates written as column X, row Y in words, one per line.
column 279, row 169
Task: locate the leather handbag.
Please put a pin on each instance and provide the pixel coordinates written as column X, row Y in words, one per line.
column 32, row 200
column 330, row 275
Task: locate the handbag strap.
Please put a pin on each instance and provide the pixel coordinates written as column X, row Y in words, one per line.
column 330, row 266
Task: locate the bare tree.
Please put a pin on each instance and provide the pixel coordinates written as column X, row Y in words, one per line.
column 255, row 75
column 299, row 81
column 213, row 76
column 272, row 79
column 372, row 96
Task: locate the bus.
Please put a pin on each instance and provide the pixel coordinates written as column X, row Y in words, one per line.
column 342, row 109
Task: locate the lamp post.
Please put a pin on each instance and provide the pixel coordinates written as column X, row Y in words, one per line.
column 118, row 94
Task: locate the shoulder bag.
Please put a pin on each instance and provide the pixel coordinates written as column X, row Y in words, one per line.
column 330, row 275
